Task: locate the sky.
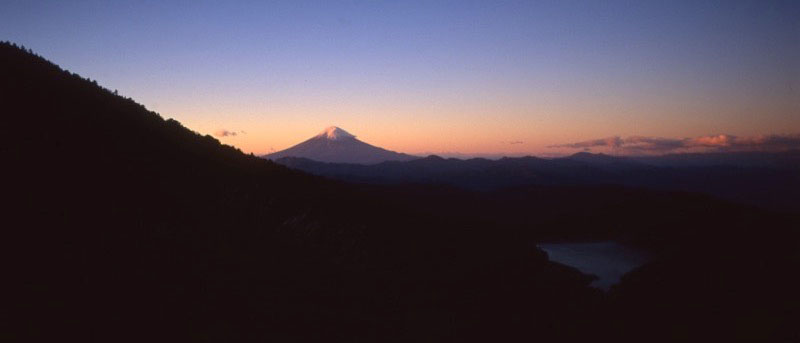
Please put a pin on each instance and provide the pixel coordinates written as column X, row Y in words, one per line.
column 446, row 77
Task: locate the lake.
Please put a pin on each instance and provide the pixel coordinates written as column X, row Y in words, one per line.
column 607, row 260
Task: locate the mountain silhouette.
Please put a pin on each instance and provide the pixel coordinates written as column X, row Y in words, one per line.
column 771, row 180
column 338, row 146
column 123, row 226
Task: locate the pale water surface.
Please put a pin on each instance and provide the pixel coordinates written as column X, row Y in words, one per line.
column 607, row 260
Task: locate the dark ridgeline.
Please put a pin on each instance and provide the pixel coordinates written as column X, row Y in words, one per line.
column 765, row 179
column 125, row 226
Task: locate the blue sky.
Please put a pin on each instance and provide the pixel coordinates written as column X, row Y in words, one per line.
column 430, row 76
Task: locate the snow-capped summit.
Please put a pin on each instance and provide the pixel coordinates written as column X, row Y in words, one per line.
column 339, row 146
column 333, row 132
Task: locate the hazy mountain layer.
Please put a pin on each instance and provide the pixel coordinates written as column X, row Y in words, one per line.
column 767, row 179
column 123, row 226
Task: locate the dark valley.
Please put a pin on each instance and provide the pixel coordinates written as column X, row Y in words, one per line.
column 124, row 226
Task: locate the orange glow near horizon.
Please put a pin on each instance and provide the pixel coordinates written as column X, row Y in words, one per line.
column 473, row 78
column 481, row 127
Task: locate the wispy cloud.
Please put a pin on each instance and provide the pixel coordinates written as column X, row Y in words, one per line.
column 607, row 142
column 642, row 144
column 515, row 142
column 227, row 133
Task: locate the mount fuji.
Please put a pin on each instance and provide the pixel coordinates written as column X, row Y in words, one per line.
column 335, row 145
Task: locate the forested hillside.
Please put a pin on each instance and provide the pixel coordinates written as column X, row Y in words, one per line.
column 123, row 226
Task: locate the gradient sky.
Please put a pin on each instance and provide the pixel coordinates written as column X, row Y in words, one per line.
column 478, row 77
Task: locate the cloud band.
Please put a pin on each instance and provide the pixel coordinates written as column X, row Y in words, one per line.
column 642, row 144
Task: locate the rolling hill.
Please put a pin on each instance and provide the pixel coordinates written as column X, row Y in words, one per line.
column 124, row 226
column 770, row 180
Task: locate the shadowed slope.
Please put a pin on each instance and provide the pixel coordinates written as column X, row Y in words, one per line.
column 125, row 226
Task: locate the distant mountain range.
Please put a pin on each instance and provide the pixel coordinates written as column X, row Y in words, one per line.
column 124, row 226
column 768, row 179
column 338, row 146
